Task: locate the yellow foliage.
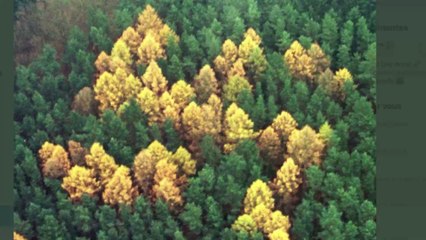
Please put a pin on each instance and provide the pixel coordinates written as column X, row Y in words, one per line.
column 165, row 184
column 193, row 122
column 288, row 180
column 182, row 158
column 221, row 66
column 229, row 51
column 122, row 51
column 103, row 62
column 234, row 86
column 305, row 147
column 258, row 193
column 245, row 223
column 102, row 163
column 205, row 83
column 107, row 92
column 327, row 82
column 132, row 39
column 251, row 33
column 165, row 33
column 119, row 189
column 269, row 144
column 300, row 64
column 149, row 104
column 284, row 124
column 319, row 59
column 182, row 93
column 237, row 69
column 237, row 126
column 261, row 215
column 79, row 181
column 154, row 80
column 279, row 234
column 246, row 48
column 150, row 50
column 343, row 75
column 145, row 162
column 54, row 160
column 277, row 221
column 257, row 61
column 148, row 20
column 17, row 236
column 325, row 132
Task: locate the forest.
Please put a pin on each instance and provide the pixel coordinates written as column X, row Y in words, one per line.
column 143, row 119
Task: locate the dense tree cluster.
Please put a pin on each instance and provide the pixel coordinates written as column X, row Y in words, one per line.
column 195, row 120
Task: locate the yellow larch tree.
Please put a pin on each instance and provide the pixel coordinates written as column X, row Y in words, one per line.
column 77, row 152
column 299, row 62
column 119, row 189
column 182, row 93
column 148, row 20
column 54, row 159
column 325, row 132
column 245, row 223
column 342, row 75
column 246, row 48
column 284, row 124
column 165, row 187
column 269, row 143
column 257, row 61
column 221, row 66
column 182, row 158
column 229, row 51
column 261, row 215
column 319, row 59
column 205, row 83
column 237, row 126
column 251, row 33
column 154, row 79
column 169, row 109
column 193, row 122
column 103, row 164
column 122, row 51
column 279, row 234
column 327, row 82
column 150, row 50
column 305, row 147
column 237, row 69
column 132, row 39
column 150, row 104
column 17, row 236
column 277, row 221
column 79, row 181
column 103, row 62
column 165, row 33
column 258, row 193
column 287, row 182
column 107, row 92
column 145, row 162
column 234, row 86
column 212, row 111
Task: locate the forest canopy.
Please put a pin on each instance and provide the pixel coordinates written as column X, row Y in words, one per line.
column 195, row 120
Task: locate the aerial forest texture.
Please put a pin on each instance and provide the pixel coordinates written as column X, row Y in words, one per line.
column 195, row 120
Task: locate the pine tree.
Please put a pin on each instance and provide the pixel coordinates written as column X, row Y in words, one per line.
column 119, row 189
column 237, row 126
column 79, row 181
column 305, row 147
column 103, row 164
column 325, row 132
column 205, row 84
column 258, row 193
